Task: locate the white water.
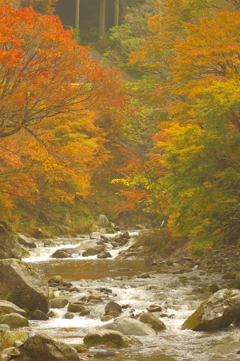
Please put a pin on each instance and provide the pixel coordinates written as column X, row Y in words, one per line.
column 43, row 254
column 177, row 299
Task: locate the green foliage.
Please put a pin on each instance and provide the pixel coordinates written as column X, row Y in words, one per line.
column 235, row 283
column 7, row 338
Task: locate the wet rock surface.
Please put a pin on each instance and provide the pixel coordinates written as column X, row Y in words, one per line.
column 24, row 285
column 130, row 326
column 217, row 312
column 108, row 337
column 41, row 347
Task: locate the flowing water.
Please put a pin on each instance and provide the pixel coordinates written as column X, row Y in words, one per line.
column 119, row 280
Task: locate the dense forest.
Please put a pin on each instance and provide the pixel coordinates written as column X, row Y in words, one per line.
column 150, row 130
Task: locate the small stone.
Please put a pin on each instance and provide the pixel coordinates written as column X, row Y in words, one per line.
column 68, row 315
column 85, row 312
column 106, row 318
column 144, row 275
column 112, row 306
column 104, row 354
column 154, row 308
column 75, row 307
column 57, row 278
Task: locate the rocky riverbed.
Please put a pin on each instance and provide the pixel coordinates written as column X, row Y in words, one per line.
column 121, row 307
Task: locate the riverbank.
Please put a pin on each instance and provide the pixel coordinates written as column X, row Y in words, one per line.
column 164, row 255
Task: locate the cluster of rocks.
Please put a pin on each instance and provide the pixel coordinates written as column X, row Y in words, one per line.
column 30, row 295
column 14, row 245
column 99, row 245
column 223, row 260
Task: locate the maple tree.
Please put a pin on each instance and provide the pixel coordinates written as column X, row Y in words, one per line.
column 51, row 94
column 41, row 6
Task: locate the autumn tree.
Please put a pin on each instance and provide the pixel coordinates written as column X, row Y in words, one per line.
column 201, row 144
column 189, row 64
column 51, row 95
column 41, row 6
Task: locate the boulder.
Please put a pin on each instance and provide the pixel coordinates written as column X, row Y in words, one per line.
column 104, row 254
column 154, row 308
column 75, row 307
column 217, row 312
column 96, row 235
column 41, row 347
column 152, row 320
column 68, row 315
column 9, row 307
column 112, row 306
column 106, row 337
column 37, row 315
column 93, row 251
column 9, row 353
column 9, row 246
column 61, row 253
column 129, row 326
column 26, row 241
column 126, row 235
column 14, row 320
column 113, row 313
column 144, row 275
column 37, row 233
column 84, row 246
column 58, row 302
column 102, row 221
column 120, row 239
column 57, row 279
column 24, row 284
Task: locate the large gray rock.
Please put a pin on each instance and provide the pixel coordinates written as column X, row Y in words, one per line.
column 14, row 320
column 130, row 326
column 9, row 307
column 24, row 284
column 112, row 306
column 75, row 307
column 107, row 337
column 9, row 353
column 58, row 302
column 93, row 251
column 41, row 347
column 152, row 320
column 102, row 221
column 104, row 254
column 9, row 246
column 87, row 245
column 61, row 253
column 26, row 241
column 217, row 312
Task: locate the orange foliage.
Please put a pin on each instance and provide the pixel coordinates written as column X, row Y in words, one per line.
column 51, row 95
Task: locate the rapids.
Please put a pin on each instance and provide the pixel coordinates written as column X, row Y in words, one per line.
column 120, row 280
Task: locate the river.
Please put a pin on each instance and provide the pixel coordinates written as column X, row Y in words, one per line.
column 121, row 279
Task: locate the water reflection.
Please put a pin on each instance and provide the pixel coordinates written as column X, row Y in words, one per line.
column 93, row 268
